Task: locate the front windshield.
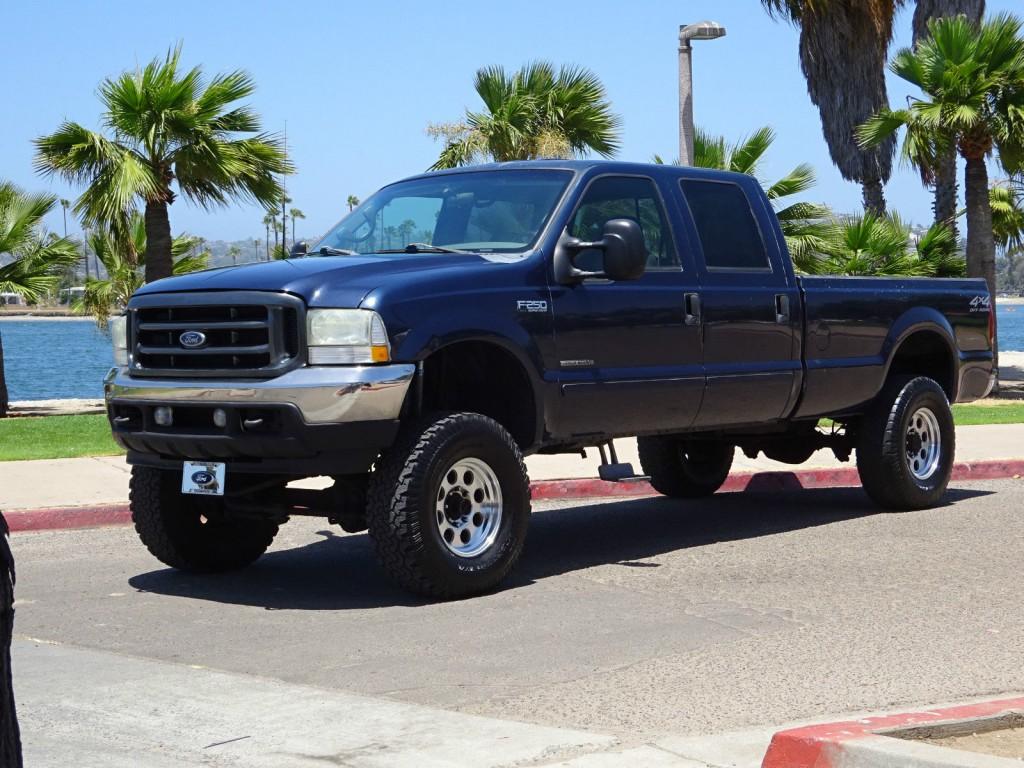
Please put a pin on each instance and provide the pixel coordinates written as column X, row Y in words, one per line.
column 482, row 212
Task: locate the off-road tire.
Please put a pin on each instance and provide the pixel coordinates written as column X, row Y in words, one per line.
column 882, row 445
column 685, row 469
column 171, row 526
column 401, row 505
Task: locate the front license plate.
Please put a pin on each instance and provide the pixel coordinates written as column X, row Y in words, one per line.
column 203, row 478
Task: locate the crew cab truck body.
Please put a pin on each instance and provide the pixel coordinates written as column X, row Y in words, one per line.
column 457, row 321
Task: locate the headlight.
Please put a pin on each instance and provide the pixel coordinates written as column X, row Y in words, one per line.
column 346, row 337
column 119, row 338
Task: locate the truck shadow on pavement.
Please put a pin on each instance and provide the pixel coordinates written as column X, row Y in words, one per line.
column 339, row 572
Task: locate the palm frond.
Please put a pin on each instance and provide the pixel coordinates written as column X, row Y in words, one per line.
column 796, row 182
column 746, row 155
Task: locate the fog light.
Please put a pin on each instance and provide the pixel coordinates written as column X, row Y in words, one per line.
column 163, row 416
column 220, row 417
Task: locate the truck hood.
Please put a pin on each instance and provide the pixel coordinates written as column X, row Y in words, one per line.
column 327, row 281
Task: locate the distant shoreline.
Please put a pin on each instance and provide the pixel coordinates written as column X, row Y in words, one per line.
column 23, row 318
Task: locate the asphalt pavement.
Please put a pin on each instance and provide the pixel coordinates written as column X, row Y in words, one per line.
column 640, row 624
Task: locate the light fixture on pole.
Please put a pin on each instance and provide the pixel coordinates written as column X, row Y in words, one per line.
column 702, row 30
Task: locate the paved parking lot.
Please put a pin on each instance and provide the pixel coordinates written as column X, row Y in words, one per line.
column 643, row 619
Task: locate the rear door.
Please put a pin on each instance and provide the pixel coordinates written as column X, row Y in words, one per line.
column 750, row 310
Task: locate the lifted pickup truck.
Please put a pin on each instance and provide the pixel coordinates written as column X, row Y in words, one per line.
column 457, row 321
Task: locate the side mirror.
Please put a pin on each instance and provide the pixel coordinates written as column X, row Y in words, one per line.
column 624, row 251
column 625, row 254
column 300, row 248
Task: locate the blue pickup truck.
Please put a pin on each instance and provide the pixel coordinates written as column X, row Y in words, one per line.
column 458, row 321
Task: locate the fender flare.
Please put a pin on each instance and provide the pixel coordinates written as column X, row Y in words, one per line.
column 519, row 351
column 916, row 320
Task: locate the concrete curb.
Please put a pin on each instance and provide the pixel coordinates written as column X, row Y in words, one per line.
column 867, row 744
column 58, row 518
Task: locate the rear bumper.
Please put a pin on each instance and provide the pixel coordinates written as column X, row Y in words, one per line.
column 310, row 421
column 976, row 381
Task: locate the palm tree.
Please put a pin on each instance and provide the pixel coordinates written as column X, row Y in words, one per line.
column 256, row 246
column 36, row 260
column 295, row 213
column 233, row 253
column 270, row 222
column 972, row 78
column 352, row 201
column 873, row 245
column 843, row 47
column 1007, row 203
column 172, row 133
column 534, row 112
column 942, row 173
column 802, row 223
column 123, row 252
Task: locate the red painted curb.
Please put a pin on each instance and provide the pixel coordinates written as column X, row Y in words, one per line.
column 822, row 746
column 586, row 488
column 67, row 517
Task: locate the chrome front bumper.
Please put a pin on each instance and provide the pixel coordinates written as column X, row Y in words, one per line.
column 323, row 395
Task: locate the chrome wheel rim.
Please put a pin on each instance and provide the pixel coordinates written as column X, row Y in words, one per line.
column 468, row 508
column 924, row 444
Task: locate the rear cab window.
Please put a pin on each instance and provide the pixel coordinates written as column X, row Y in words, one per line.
column 729, row 234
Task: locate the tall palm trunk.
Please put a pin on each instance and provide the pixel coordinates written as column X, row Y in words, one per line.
column 873, row 196
column 944, row 205
column 3, row 381
column 981, row 244
column 944, row 173
column 159, row 263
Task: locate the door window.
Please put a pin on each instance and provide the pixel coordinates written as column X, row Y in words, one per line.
column 623, row 197
column 729, row 235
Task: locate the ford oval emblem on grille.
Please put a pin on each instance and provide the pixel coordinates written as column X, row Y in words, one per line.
column 192, row 339
column 203, row 479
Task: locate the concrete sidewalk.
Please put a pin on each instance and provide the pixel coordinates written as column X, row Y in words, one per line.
column 104, row 480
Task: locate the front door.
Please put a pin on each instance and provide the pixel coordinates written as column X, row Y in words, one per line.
column 626, row 360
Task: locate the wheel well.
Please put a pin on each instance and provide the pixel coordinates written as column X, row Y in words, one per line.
column 482, row 377
column 926, row 353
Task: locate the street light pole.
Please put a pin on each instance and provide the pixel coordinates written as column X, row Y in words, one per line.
column 702, row 30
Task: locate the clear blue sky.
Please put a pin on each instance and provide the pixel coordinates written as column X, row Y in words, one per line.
column 357, row 83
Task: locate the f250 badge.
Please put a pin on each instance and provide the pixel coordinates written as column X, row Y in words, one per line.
column 981, row 304
column 531, row 305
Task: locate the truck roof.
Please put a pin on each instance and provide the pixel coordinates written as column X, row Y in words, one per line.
column 607, row 166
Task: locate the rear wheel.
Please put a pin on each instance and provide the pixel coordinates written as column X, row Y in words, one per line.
column 685, row 469
column 449, row 506
column 192, row 533
column 906, row 445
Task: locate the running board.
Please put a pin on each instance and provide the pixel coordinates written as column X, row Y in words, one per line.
column 614, row 471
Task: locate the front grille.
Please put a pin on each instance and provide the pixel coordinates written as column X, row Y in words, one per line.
column 243, row 334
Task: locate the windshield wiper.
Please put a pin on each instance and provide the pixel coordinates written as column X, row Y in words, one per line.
column 423, row 248
column 326, row 250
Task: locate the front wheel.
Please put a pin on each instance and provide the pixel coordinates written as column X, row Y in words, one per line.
column 685, row 469
column 449, row 506
column 192, row 533
column 906, row 444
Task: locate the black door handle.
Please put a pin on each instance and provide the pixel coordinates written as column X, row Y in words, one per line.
column 691, row 307
column 781, row 308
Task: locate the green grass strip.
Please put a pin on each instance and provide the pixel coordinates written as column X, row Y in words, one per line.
column 56, row 437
